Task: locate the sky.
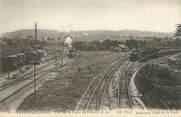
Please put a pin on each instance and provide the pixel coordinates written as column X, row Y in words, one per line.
column 65, row 15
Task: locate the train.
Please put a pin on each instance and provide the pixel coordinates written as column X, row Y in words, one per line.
column 144, row 54
column 72, row 52
column 13, row 62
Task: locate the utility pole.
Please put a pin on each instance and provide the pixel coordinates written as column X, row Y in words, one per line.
column 8, row 61
column 59, row 47
column 8, row 71
column 61, row 52
column 20, row 56
column 62, row 49
column 36, row 31
column 57, row 53
column 19, row 62
column 34, row 64
column 34, row 80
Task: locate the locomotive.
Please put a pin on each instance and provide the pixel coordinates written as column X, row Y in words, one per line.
column 144, row 54
column 72, row 52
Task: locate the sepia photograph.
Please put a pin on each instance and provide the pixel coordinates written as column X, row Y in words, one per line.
column 90, row 57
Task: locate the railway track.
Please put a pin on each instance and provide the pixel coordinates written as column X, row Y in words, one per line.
column 40, row 76
column 96, row 96
column 27, row 76
column 127, row 94
column 124, row 89
column 29, row 83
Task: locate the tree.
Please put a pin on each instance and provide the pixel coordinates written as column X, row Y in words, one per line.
column 178, row 30
column 132, row 44
column 80, row 45
column 107, row 44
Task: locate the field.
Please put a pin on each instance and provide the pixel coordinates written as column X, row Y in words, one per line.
column 61, row 93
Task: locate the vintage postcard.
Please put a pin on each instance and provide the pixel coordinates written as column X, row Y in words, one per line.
column 90, row 57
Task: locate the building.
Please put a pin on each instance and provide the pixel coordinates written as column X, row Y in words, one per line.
column 123, row 47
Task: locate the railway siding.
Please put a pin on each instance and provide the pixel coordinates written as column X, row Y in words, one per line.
column 135, row 94
column 94, row 99
column 22, row 88
column 113, row 90
column 56, row 98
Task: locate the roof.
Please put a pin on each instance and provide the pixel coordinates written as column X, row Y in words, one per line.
column 122, row 46
column 34, row 52
column 12, row 56
column 39, row 50
column 20, row 54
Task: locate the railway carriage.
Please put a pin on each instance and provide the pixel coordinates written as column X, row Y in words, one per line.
column 21, row 58
column 13, row 62
column 32, row 56
column 10, row 63
column 143, row 55
column 27, row 57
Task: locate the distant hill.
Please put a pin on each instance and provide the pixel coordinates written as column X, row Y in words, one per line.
column 89, row 35
column 29, row 32
column 116, row 35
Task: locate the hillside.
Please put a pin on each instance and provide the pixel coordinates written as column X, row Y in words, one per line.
column 116, row 35
column 29, row 32
column 89, row 35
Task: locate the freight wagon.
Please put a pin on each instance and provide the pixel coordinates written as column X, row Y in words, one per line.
column 13, row 62
column 10, row 63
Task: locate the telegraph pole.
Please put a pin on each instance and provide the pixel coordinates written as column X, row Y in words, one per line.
column 35, row 30
column 34, row 64
column 20, row 66
column 34, row 81
column 8, row 62
column 8, row 71
column 62, row 56
column 59, row 51
column 59, row 47
column 58, row 54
